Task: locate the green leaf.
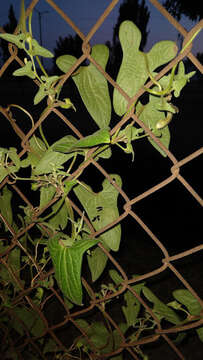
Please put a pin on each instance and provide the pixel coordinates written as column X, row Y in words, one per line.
column 14, row 265
column 18, row 40
column 118, row 339
column 50, row 160
column 12, row 153
column 133, row 72
column 133, row 306
column 115, row 277
column 97, row 261
column 101, row 136
column 46, row 194
column 50, row 346
column 102, row 209
column 3, row 173
column 38, row 149
column 187, row 299
column 98, row 335
column 200, row 333
column 150, row 117
column 181, row 79
column 60, row 219
column 160, row 308
column 45, row 88
column 26, row 70
column 4, row 168
column 92, row 85
column 40, row 50
column 5, row 204
column 30, row 319
column 161, row 53
column 65, row 62
column 65, row 144
column 67, row 263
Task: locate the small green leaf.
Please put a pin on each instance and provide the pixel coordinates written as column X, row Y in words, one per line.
column 45, row 88
column 102, row 209
column 67, row 263
column 39, row 50
column 67, row 104
column 3, row 173
column 115, row 277
column 26, row 70
column 151, row 116
column 187, row 299
column 46, row 194
column 181, row 79
column 37, row 151
column 14, row 265
column 98, row 335
column 60, row 219
column 200, row 333
column 18, row 40
column 5, row 204
column 97, row 261
column 12, row 153
column 133, row 306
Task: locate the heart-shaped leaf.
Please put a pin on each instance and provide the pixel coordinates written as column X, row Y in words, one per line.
column 102, row 209
column 91, row 84
column 67, row 264
column 133, row 72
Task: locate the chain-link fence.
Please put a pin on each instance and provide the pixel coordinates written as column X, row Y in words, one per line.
column 60, row 323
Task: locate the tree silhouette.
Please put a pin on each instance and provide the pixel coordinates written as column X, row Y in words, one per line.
column 191, row 9
column 70, row 45
column 139, row 14
column 9, row 28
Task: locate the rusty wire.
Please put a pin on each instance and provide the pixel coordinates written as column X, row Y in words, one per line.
column 167, row 260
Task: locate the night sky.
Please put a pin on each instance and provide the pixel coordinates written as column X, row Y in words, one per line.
column 85, row 13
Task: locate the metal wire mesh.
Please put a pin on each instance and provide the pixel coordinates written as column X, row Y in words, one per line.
column 167, row 263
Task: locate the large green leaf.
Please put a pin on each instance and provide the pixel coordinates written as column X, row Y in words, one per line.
column 187, row 299
column 50, row 160
column 101, row 136
column 102, row 209
column 91, row 84
column 67, row 263
column 133, row 72
column 160, row 308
